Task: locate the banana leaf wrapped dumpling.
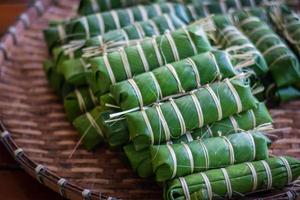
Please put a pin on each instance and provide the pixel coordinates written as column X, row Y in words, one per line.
column 146, row 56
column 172, row 119
column 173, row 79
column 235, row 180
column 207, row 8
column 96, row 24
column 94, row 129
column 173, row 160
column 231, row 39
column 93, row 6
column 251, row 119
column 287, row 23
column 274, row 50
column 73, row 66
column 88, row 126
column 79, row 102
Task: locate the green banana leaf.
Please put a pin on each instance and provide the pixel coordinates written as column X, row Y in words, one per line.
column 150, row 54
column 173, row 79
column 230, row 38
column 172, row 119
column 107, row 101
column 93, row 6
column 175, row 160
column 89, row 127
column 234, row 181
column 70, row 62
column 288, row 93
column 207, row 8
column 287, row 23
column 79, row 101
column 276, row 53
column 95, row 24
column 56, row 81
column 247, row 120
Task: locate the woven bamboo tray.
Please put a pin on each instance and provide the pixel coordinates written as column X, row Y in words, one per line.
column 36, row 132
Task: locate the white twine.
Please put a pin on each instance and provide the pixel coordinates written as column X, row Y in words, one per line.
column 196, row 72
column 238, row 4
column 209, row 131
column 272, row 48
column 185, row 188
column 100, row 39
column 206, row 155
column 86, row 27
column 125, row 36
column 279, row 58
column 231, row 150
column 189, row 137
column 157, row 9
column 191, row 41
column 84, row 64
column 131, row 16
column 192, row 10
column 143, row 13
column 154, row 27
column 297, row 30
column 223, row 7
column 208, row 185
column 143, row 57
column 173, row 45
column 198, row 109
column 100, row 23
column 253, row 118
column 253, row 145
column 171, row 7
column 269, row 174
column 173, row 155
column 157, row 86
column 264, row 37
column 169, row 22
column 254, row 175
column 61, row 32
column 248, row 20
column 80, row 100
column 234, row 124
column 157, row 52
column 94, row 99
column 190, row 155
column 137, row 92
column 205, row 10
column 259, row 28
column 94, row 124
column 163, row 122
column 235, row 95
column 253, row 3
column 216, row 101
column 288, row 169
column 146, row 119
column 179, row 116
column 232, row 40
column 292, row 24
column 227, row 182
column 219, row 75
column 140, row 30
column 175, row 75
column 125, row 62
column 116, row 19
column 108, row 68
